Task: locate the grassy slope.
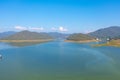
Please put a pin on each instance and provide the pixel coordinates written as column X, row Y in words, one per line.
column 80, row 38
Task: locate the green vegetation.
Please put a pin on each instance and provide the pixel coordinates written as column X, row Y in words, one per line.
column 118, row 37
column 27, row 35
column 25, row 38
column 80, row 37
column 115, row 43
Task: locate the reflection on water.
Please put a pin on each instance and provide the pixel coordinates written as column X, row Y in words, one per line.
column 22, row 44
column 60, row 61
column 5, row 46
column 0, row 57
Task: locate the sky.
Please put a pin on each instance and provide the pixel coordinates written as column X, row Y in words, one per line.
column 68, row 16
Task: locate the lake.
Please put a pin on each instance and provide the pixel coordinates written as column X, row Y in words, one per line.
column 59, row 61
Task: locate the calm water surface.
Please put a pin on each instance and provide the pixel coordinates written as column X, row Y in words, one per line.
column 59, row 61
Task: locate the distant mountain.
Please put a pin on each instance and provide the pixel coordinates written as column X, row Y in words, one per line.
column 80, row 37
column 6, row 34
column 27, row 35
column 57, row 35
column 110, row 32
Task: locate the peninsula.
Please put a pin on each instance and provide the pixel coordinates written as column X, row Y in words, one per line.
column 80, row 38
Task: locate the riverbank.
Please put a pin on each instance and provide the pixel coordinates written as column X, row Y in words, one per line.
column 115, row 43
column 21, row 41
column 82, row 41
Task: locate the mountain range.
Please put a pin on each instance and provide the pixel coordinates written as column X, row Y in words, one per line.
column 6, row 34
column 111, row 32
column 57, row 35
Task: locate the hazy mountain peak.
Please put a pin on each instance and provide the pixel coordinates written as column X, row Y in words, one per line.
column 112, row 31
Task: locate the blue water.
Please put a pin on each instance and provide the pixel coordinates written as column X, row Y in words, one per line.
column 59, row 61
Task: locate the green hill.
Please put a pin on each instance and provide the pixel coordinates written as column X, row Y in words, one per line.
column 80, row 37
column 27, row 35
column 111, row 32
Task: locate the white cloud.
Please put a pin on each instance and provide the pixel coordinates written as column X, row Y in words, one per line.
column 20, row 28
column 37, row 28
column 29, row 28
column 62, row 29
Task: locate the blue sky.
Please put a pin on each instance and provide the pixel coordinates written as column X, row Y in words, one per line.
column 69, row 16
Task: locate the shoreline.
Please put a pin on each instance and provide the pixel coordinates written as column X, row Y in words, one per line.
column 19, row 41
column 85, row 41
column 114, row 43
